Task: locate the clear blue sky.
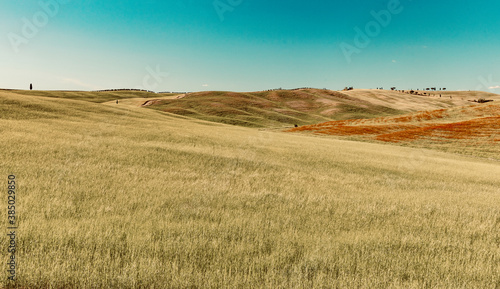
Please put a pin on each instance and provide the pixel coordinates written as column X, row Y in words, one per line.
column 249, row 45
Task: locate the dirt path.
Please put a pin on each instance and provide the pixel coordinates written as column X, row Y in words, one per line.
column 141, row 102
column 150, row 102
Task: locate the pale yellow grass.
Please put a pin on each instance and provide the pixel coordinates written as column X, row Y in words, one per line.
column 140, row 101
column 410, row 102
column 124, row 197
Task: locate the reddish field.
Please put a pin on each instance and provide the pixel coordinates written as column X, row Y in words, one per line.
column 478, row 123
column 481, row 128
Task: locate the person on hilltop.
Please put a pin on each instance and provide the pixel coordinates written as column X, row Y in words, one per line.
column 31, row 86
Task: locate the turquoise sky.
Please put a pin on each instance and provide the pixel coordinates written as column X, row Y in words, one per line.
column 244, row 45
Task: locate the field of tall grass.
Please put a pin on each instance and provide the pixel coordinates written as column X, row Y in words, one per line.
column 114, row 196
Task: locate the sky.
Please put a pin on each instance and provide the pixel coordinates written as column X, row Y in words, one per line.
column 249, row 45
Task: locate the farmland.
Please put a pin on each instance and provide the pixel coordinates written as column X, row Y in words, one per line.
column 473, row 130
column 125, row 196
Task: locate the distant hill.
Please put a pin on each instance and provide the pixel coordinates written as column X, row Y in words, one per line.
column 281, row 108
column 92, row 96
column 275, row 108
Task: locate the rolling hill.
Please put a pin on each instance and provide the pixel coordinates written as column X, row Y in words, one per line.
column 122, row 196
column 92, row 96
column 274, row 108
column 282, row 108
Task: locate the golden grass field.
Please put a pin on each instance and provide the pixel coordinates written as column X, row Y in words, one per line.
column 123, row 196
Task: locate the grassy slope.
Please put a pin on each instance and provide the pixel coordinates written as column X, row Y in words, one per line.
column 306, row 106
column 472, row 129
column 92, row 96
column 408, row 102
column 303, row 106
column 124, row 197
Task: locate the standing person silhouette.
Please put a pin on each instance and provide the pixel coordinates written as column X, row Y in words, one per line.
column 31, row 86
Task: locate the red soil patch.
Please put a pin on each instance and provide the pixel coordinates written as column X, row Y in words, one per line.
column 476, row 128
column 422, row 116
column 419, row 125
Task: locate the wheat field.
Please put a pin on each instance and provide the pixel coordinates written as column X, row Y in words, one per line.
column 113, row 196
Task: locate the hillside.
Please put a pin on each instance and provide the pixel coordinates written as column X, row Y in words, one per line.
column 92, row 96
column 277, row 108
column 120, row 196
column 472, row 129
column 284, row 108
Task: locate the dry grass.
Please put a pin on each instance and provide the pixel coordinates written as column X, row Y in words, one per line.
column 127, row 197
column 94, row 96
column 284, row 108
